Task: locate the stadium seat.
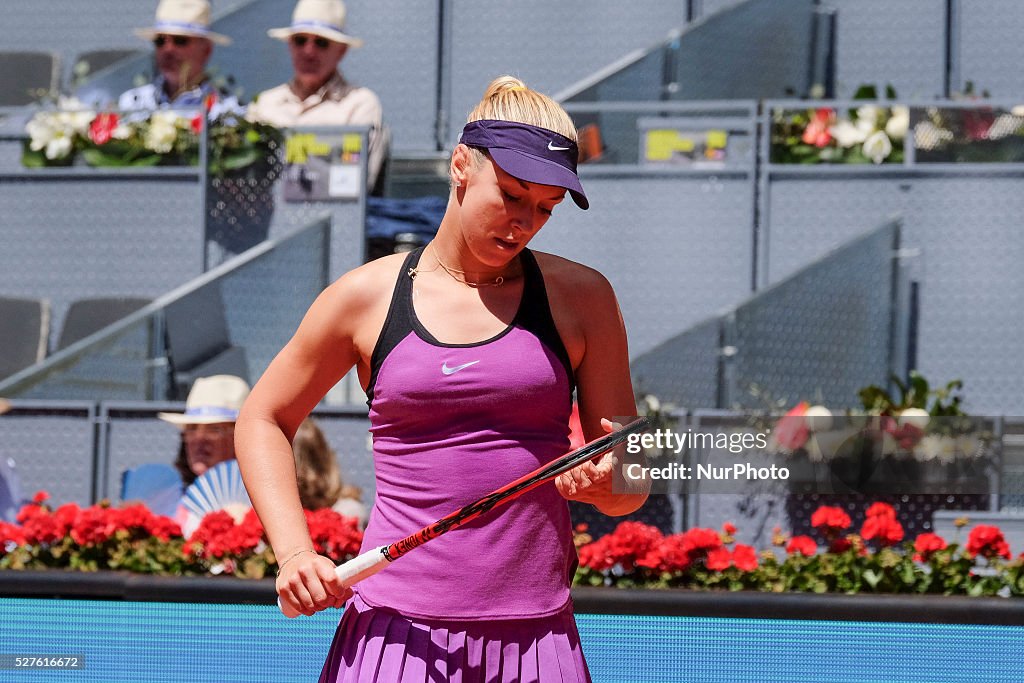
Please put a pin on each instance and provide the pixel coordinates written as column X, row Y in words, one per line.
column 87, row 316
column 199, row 342
column 156, row 485
column 27, row 77
column 24, row 331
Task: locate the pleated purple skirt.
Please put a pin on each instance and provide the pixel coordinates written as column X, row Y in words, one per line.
column 380, row 645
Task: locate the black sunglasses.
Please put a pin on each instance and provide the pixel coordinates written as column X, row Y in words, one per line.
column 321, row 43
column 179, row 41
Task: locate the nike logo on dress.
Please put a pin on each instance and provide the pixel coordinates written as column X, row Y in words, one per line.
column 551, row 146
column 451, row 371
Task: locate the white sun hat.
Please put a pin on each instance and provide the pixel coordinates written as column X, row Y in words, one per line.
column 325, row 18
column 213, row 399
column 183, row 18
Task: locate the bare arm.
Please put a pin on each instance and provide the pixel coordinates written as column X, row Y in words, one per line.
column 319, row 354
column 597, row 337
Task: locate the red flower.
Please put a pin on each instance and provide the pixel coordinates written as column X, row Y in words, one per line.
column 93, row 526
column 805, row 545
column 101, row 130
column 718, row 559
column 791, row 432
column 817, row 132
column 40, row 497
column 987, row 541
column 197, row 124
column 333, row 535
column 886, row 529
column 926, row 545
column 840, row 545
column 830, row 520
column 881, row 510
column 631, row 544
column 10, row 533
column 744, row 557
column 40, row 527
column 729, row 529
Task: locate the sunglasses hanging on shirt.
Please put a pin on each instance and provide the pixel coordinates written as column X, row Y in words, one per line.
column 320, row 42
column 178, row 41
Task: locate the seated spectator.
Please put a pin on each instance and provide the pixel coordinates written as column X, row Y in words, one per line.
column 183, row 43
column 318, row 94
column 318, row 475
column 208, row 424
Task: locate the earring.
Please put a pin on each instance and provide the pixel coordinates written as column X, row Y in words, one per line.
column 456, row 183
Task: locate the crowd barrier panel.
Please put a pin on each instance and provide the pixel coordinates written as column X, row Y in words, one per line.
column 753, row 49
column 261, row 297
column 692, row 254
column 823, row 333
column 959, row 241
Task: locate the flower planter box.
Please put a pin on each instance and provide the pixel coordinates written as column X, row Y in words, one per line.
column 934, row 609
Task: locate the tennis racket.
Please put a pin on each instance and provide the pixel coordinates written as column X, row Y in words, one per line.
column 372, row 561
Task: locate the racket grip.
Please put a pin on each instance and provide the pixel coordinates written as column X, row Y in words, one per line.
column 351, row 573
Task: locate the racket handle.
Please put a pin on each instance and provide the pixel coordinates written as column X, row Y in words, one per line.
column 351, row 573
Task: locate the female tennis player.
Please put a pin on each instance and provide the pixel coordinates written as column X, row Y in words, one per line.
column 469, row 350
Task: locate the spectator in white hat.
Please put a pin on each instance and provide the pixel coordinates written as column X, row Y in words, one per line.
column 183, row 44
column 318, row 94
column 208, row 424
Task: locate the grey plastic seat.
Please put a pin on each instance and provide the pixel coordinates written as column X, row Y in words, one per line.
column 199, row 342
column 88, row 64
column 24, row 333
column 27, row 77
column 87, row 316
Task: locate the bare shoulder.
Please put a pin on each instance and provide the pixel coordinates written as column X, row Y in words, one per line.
column 366, row 284
column 569, row 279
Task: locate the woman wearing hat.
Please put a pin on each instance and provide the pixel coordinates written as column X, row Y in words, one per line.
column 208, row 424
column 469, row 350
column 182, row 43
column 318, row 94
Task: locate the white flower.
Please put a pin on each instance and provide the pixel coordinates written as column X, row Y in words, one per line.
column 818, row 419
column 877, row 147
column 59, row 147
column 1004, row 126
column 898, row 124
column 847, row 134
column 889, row 444
column 162, row 132
column 969, row 446
column 947, row 450
column 929, row 136
column 123, row 131
column 928, row 448
column 867, row 118
column 915, row 417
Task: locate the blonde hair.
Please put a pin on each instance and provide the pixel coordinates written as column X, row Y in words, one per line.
column 508, row 99
column 316, row 469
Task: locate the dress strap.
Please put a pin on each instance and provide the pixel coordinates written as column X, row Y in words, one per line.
column 535, row 313
column 399, row 322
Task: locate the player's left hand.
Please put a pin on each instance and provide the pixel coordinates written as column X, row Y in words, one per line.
column 591, row 482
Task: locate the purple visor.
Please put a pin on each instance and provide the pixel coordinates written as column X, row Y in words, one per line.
column 529, row 153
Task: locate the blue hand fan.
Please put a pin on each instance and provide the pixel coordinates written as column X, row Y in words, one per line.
column 219, row 488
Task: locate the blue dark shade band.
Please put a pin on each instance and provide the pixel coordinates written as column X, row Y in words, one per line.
column 529, row 153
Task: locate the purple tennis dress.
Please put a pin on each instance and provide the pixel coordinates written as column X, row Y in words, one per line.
column 451, row 422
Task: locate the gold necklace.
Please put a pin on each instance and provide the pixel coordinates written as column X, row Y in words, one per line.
column 454, row 273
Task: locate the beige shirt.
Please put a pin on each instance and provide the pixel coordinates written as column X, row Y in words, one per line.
column 338, row 103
